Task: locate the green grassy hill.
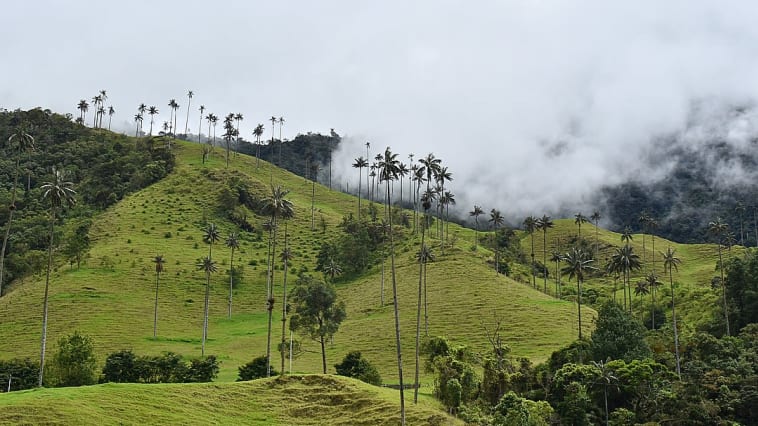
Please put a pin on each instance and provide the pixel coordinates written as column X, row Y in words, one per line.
column 295, row 400
column 111, row 297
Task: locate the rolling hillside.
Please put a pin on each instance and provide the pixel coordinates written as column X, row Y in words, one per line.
column 111, row 296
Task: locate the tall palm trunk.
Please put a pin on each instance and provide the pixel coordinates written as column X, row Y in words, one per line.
column 270, row 306
column 284, row 301
column 723, row 291
column 155, row 309
column 544, row 257
column 422, row 261
column 534, row 277
column 676, row 331
column 323, row 352
column 205, row 310
column 231, row 282
column 359, row 193
column 186, row 122
column 579, row 304
column 397, row 317
column 8, row 225
column 44, row 303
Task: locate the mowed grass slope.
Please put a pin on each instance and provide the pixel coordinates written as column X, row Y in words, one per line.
column 296, row 400
column 111, row 297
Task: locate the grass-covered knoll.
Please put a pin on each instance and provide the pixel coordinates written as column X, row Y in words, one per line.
column 295, row 400
column 111, row 296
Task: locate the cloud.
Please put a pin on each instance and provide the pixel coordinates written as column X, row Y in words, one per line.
column 533, row 105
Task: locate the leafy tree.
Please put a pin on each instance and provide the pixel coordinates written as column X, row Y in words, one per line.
column 18, row 374
column 74, row 363
column 121, row 367
column 20, row 142
column 60, row 194
column 742, row 292
column 618, row 335
column 159, row 262
column 354, row 365
column 513, row 410
column 316, row 311
column 255, row 369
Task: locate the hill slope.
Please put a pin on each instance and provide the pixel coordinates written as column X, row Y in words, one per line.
column 111, row 297
column 295, row 400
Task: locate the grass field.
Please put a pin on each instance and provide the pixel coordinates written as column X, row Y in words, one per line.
column 295, row 400
column 111, row 297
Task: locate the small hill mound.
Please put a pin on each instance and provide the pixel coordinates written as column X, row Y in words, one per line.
column 294, row 400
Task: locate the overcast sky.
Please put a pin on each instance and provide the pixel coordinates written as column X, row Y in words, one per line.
column 532, row 104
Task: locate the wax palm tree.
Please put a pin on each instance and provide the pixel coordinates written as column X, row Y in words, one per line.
column 359, row 164
column 626, row 261
column 159, row 262
column 153, row 110
column 643, row 220
column 448, row 199
column 605, row 378
column 431, row 167
column 174, row 109
column 423, row 256
column 719, row 229
column 530, row 225
column 595, row 218
column 496, row 221
column 229, row 133
column 138, row 119
column 281, row 141
column 740, row 210
column 211, row 235
column 59, row 192
column 403, row 172
column 475, row 213
column 652, row 225
column 557, row 257
column 544, row 223
column 671, row 262
column 111, row 111
column 20, row 142
column 190, row 94
column 232, row 241
column 442, row 176
column 258, row 133
column 577, row 263
column 200, row 123
column 579, row 219
column 83, row 107
column 208, row 266
column 238, row 117
column 315, row 168
column 418, row 177
column 100, row 115
column 285, row 257
column 276, row 207
column 626, row 236
column 141, row 109
column 652, row 283
column 95, row 104
column 388, row 170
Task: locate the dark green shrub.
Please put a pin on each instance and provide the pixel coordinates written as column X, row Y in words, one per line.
column 354, row 365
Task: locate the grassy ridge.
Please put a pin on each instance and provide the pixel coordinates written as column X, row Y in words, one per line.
column 295, row 400
column 111, row 297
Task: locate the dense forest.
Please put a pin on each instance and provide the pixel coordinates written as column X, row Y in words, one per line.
column 105, row 165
